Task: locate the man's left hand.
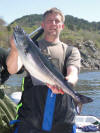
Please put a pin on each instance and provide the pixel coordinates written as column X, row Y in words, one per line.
column 55, row 89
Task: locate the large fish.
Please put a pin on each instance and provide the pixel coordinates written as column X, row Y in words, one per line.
column 41, row 68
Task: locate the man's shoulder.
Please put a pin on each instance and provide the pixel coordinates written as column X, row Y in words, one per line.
column 70, row 50
column 70, row 47
column 67, row 47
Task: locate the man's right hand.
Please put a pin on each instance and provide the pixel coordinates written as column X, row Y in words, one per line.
column 55, row 90
column 12, row 59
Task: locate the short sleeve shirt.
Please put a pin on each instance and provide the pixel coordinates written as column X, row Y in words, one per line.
column 57, row 54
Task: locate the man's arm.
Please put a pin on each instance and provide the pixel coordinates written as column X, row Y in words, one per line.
column 72, row 78
column 72, row 74
column 12, row 59
column 73, row 67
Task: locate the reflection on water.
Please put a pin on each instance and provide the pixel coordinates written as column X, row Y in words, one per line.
column 13, row 84
column 88, row 84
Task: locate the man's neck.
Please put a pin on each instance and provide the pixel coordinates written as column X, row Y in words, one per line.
column 52, row 39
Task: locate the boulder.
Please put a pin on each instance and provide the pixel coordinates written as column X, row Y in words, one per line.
column 90, row 55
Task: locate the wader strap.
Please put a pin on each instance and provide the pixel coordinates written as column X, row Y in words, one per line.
column 68, row 53
column 48, row 111
column 16, row 130
column 14, row 122
column 74, row 129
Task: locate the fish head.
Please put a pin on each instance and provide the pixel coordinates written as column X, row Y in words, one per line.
column 21, row 38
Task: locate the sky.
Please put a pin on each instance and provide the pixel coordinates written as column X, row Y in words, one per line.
column 11, row 10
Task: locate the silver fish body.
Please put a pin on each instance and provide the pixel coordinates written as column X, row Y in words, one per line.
column 40, row 67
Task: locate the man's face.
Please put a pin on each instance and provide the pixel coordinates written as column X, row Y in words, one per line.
column 53, row 25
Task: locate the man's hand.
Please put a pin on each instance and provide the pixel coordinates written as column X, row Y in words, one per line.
column 72, row 75
column 72, row 78
column 55, row 89
column 12, row 59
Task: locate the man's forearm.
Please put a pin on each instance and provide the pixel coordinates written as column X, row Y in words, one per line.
column 72, row 74
column 11, row 62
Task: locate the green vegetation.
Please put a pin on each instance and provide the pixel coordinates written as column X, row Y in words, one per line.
column 76, row 30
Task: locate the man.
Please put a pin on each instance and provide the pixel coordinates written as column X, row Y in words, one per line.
column 32, row 113
column 4, row 75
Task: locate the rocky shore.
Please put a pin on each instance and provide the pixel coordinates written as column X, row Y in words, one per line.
column 90, row 55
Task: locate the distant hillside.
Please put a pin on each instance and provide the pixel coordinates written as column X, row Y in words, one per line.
column 76, row 23
column 4, row 35
column 76, row 30
column 29, row 20
column 73, row 23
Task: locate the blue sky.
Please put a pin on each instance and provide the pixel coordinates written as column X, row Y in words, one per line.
column 86, row 9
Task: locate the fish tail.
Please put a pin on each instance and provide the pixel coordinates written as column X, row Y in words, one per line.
column 78, row 108
column 83, row 100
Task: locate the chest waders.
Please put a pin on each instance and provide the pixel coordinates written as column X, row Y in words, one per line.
column 48, row 112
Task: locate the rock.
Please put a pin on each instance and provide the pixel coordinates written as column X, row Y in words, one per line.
column 90, row 55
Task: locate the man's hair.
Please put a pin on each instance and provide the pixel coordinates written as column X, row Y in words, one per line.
column 56, row 11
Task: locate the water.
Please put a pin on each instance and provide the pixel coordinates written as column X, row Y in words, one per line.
column 88, row 84
column 13, row 84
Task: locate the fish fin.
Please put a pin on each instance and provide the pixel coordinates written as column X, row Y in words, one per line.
column 78, row 107
column 84, row 99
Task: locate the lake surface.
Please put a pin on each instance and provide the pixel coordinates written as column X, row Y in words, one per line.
column 88, row 84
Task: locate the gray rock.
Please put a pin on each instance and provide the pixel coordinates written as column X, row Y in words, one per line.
column 90, row 55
